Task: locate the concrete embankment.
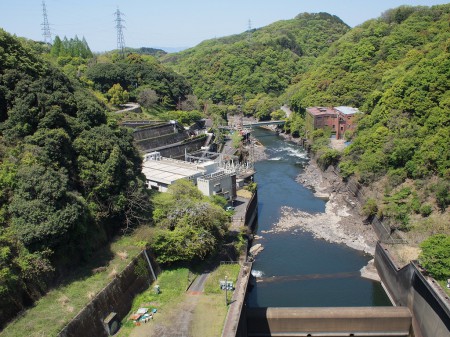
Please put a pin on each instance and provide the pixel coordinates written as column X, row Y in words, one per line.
column 107, row 309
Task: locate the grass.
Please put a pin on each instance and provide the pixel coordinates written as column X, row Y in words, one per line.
column 443, row 284
column 229, row 270
column 59, row 306
column 209, row 314
column 172, row 283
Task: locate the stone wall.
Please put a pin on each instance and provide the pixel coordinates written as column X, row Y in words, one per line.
column 408, row 287
column 116, row 297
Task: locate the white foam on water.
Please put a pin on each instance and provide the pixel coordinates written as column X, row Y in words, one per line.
column 299, row 153
column 257, row 273
column 275, row 158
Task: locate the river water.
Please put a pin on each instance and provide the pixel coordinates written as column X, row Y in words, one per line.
column 296, row 269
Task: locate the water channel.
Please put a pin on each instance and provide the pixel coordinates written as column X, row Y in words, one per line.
column 296, row 269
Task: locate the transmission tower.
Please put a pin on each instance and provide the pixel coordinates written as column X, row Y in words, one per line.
column 45, row 25
column 249, row 25
column 119, row 26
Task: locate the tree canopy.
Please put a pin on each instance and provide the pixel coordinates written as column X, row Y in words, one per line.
column 259, row 61
column 68, row 179
column 191, row 226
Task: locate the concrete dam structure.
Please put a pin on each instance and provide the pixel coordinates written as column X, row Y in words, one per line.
column 326, row 322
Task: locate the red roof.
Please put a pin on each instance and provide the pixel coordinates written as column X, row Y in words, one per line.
column 316, row 111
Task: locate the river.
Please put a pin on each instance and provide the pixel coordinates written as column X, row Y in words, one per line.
column 296, row 269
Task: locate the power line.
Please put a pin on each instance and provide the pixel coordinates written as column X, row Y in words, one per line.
column 119, row 26
column 45, row 25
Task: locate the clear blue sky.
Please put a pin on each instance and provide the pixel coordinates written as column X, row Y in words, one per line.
column 174, row 23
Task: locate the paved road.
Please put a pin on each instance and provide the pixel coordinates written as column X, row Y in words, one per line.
column 198, row 285
column 129, row 107
column 286, row 109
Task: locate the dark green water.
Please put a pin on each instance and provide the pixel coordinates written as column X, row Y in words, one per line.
column 297, row 269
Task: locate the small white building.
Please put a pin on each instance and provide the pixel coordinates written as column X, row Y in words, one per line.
column 161, row 172
column 218, row 183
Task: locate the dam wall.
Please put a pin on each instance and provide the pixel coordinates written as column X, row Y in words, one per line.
column 409, row 287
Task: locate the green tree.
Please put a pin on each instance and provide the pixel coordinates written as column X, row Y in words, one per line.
column 117, row 95
column 190, row 226
column 435, row 256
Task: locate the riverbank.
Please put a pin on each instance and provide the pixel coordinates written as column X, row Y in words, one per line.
column 340, row 223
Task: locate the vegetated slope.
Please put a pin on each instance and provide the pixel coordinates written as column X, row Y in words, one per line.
column 262, row 60
column 67, row 179
column 397, row 70
column 136, row 73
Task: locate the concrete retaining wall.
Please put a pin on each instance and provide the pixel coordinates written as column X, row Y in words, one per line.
column 154, row 131
column 177, row 151
column 116, row 297
column 251, row 212
column 408, row 287
column 236, row 322
column 363, row 321
column 151, row 144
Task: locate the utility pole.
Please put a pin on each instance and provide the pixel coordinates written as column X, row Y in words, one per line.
column 119, row 26
column 226, row 290
column 45, row 25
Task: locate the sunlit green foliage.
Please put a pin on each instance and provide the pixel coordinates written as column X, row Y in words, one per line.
column 435, row 256
column 396, row 70
column 265, row 60
column 190, row 225
column 136, row 72
column 67, row 179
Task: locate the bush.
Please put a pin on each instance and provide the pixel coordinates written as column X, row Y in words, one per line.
column 442, row 195
column 397, row 176
column 370, row 208
column 327, row 158
column 435, row 256
column 426, row 210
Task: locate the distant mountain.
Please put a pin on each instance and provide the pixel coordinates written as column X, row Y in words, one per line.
column 264, row 60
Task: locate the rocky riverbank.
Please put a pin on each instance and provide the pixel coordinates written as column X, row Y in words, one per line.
column 340, row 223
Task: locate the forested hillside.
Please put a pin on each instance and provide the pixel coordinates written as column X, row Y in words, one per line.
column 68, row 180
column 142, row 76
column 397, row 70
column 264, row 60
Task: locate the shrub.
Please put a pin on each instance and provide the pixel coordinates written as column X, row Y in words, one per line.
column 435, row 256
column 370, row 208
column 328, row 157
column 426, row 210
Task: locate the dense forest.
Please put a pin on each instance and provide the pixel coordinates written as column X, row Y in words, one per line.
column 69, row 180
column 259, row 61
column 397, row 70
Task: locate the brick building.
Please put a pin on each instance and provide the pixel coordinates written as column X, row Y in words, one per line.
column 337, row 119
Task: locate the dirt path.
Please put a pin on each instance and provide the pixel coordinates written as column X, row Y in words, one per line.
column 177, row 322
